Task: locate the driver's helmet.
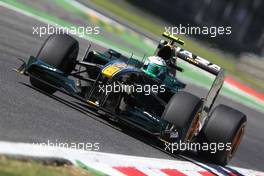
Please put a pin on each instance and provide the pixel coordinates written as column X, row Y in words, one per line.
column 155, row 67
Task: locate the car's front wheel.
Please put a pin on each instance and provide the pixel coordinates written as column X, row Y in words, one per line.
column 59, row 51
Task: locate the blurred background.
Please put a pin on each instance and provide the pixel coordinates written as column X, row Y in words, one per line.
column 244, row 16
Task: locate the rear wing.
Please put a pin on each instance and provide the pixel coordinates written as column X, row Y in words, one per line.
column 205, row 65
column 190, row 57
column 214, row 69
column 197, row 61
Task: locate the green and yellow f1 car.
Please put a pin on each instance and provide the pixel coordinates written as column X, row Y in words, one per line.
column 143, row 94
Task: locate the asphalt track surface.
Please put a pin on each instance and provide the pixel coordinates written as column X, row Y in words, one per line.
column 28, row 115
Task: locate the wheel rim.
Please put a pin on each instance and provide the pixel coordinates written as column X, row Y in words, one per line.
column 236, row 141
column 193, row 127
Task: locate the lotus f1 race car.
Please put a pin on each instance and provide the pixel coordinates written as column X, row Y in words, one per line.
column 145, row 95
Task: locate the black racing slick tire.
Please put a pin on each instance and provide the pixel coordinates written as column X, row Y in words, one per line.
column 183, row 111
column 225, row 130
column 59, row 51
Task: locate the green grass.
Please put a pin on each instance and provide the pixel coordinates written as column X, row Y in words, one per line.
column 227, row 61
column 12, row 167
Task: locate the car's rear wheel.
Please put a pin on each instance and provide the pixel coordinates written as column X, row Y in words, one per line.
column 183, row 111
column 59, row 51
column 225, row 129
